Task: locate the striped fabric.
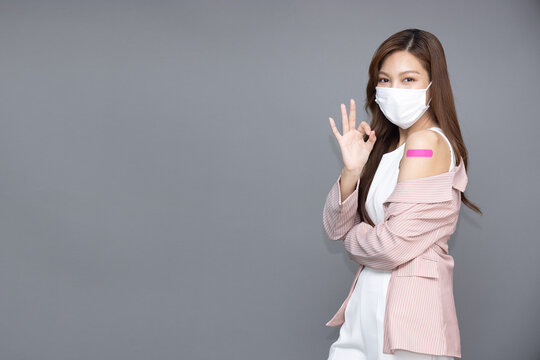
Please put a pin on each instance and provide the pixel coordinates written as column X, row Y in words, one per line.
column 420, row 215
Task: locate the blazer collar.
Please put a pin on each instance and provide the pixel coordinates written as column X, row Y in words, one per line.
column 436, row 188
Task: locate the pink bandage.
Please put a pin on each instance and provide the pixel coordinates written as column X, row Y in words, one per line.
column 420, row 152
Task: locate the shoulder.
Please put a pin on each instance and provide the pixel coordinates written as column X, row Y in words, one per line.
column 412, row 167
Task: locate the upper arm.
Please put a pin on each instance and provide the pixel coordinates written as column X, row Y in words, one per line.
column 412, row 167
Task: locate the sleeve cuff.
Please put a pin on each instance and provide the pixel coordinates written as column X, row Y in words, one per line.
column 350, row 198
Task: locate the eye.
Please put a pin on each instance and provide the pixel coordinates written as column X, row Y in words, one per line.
column 380, row 80
column 410, row 78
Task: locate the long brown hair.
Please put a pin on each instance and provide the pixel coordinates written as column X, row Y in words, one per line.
column 429, row 51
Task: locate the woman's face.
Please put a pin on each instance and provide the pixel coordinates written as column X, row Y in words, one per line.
column 401, row 69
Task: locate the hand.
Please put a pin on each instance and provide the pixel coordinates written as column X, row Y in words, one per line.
column 354, row 149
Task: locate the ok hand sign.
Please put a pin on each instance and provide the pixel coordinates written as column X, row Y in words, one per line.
column 354, row 150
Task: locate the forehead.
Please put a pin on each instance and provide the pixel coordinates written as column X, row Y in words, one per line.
column 401, row 61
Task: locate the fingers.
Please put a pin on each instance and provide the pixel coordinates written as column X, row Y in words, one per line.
column 334, row 129
column 352, row 115
column 372, row 137
column 364, row 128
column 344, row 119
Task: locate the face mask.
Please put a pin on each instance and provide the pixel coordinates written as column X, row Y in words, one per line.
column 402, row 107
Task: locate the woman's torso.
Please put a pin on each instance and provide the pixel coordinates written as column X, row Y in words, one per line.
column 383, row 184
column 362, row 333
column 386, row 177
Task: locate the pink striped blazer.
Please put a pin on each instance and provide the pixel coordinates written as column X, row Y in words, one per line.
column 420, row 215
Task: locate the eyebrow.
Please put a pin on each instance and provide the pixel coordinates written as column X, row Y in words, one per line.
column 401, row 73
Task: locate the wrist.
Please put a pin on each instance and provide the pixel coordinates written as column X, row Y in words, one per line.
column 351, row 173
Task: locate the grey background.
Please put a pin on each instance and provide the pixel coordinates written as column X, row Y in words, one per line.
column 164, row 165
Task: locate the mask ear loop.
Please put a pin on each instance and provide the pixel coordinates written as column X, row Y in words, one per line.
column 426, row 89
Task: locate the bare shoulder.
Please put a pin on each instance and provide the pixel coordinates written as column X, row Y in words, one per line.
column 412, row 167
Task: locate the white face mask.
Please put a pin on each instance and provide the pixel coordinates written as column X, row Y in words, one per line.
column 403, row 107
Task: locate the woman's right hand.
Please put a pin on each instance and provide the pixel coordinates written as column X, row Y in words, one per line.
column 354, row 149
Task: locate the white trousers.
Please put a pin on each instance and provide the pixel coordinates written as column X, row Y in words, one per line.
column 361, row 335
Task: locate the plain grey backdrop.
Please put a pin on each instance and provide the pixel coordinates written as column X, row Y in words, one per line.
column 164, row 164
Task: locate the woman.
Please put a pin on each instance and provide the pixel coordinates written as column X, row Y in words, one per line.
column 395, row 205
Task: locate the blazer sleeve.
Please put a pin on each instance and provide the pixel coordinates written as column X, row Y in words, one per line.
column 339, row 217
column 408, row 230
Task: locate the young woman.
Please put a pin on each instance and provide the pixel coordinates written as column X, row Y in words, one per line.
column 395, row 205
